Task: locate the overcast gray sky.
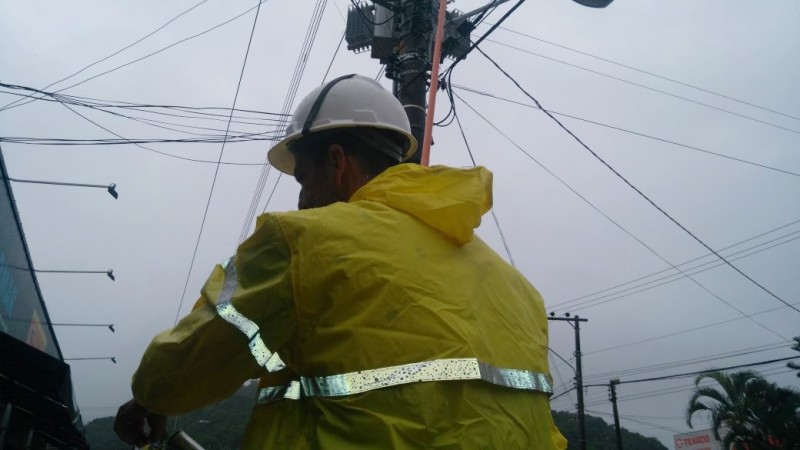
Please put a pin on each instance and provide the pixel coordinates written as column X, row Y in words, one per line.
column 746, row 51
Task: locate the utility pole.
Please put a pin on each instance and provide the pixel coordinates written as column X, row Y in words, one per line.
column 400, row 34
column 576, row 325
column 612, row 385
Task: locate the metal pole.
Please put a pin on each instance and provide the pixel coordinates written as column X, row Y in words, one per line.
column 613, row 387
column 579, row 386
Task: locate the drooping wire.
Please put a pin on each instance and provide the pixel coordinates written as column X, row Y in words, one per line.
column 145, row 56
column 472, row 158
column 116, row 52
column 216, row 171
column 291, row 93
column 627, row 66
column 703, row 327
column 328, row 70
column 670, row 94
column 623, row 130
column 625, row 180
column 614, row 222
column 652, row 284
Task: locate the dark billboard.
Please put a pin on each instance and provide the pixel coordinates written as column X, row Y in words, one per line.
column 23, row 315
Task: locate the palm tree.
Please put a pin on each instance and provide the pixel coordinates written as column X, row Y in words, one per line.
column 758, row 414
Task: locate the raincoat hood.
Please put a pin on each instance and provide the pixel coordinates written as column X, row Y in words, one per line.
column 449, row 200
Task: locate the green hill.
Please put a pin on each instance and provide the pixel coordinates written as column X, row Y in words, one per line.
column 220, row 427
column 600, row 435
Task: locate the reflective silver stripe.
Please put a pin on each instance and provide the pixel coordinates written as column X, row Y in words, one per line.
column 436, row 370
column 275, row 393
column 270, row 361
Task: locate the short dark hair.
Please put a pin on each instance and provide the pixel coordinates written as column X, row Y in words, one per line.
column 372, row 160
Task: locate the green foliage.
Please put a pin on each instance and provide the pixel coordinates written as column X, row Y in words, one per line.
column 600, row 435
column 757, row 413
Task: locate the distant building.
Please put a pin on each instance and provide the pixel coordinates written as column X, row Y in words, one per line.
column 37, row 407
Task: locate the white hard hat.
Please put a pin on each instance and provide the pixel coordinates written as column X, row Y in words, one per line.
column 350, row 101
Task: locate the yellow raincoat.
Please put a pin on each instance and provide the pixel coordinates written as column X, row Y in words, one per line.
column 394, row 277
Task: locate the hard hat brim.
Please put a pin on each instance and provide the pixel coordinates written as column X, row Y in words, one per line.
column 281, row 158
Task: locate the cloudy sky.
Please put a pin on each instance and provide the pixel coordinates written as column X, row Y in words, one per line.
column 695, row 103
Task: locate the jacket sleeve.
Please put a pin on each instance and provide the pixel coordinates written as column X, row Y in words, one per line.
column 207, row 356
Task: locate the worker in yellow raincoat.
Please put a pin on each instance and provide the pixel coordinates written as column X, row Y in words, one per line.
column 373, row 317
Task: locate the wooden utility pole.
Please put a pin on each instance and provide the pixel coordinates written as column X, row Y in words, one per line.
column 613, row 394
column 576, row 325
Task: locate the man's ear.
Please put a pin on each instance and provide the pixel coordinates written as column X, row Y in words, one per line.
column 337, row 163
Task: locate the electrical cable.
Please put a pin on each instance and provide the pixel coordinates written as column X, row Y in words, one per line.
column 641, row 422
column 299, row 70
column 483, row 37
column 681, row 375
column 698, row 372
column 764, row 122
column 684, row 362
column 146, row 148
column 146, row 56
column 560, row 378
column 328, row 70
column 635, row 133
column 684, row 331
column 627, row 66
column 462, row 57
column 216, row 171
column 116, row 52
column 586, row 304
column 585, row 200
column 472, row 158
column 675, row 390
column 731, row 246
column 625, row 180
column 199, row 112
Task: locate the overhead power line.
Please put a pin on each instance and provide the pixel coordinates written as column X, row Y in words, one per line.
column 144, row 57
column 685, row 331
column 646, row 286
column 615, row 223
column 685, row 362
column 494, row 215
column 728, row 247
column 698, row 372
column 624, row 130
column 286, row 109
column 637, row 190
column 219, row 160
column 114, row 53
column 678, row 376
column 652, row 74
column 686, row 99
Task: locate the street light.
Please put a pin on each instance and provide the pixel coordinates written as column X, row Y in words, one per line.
column 112, row 358
column 111, row 188
column 109, row 273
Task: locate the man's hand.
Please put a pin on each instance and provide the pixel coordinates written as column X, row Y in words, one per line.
column 130, row 424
